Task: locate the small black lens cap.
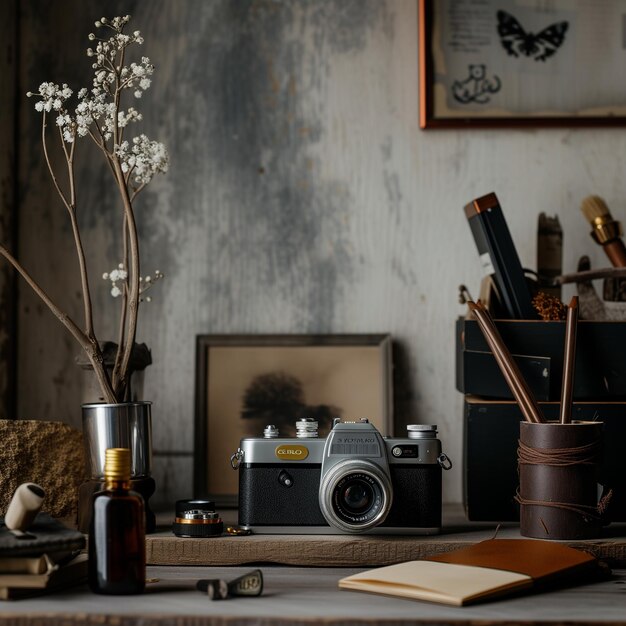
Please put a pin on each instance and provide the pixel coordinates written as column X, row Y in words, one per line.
column 182, row 506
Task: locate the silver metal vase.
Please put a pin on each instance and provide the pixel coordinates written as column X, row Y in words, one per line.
column 124, row 425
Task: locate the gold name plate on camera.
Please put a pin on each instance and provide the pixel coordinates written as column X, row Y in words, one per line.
column 291, row 452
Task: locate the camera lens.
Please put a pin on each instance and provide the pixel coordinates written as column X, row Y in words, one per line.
column 355, row 496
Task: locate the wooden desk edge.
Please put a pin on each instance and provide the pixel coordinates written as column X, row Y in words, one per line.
column 332, row 550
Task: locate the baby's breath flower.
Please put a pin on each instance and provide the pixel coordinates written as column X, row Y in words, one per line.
column 118, row 274
column 96, row 112
column 119, row 279
column 146, row 283
column 126, row 117
column 52, row 97
column 146, row 158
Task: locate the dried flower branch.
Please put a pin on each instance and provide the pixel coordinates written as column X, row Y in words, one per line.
column 119, row 285
column 99, row 115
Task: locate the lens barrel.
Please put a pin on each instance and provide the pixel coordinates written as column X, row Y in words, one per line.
column 355, row 496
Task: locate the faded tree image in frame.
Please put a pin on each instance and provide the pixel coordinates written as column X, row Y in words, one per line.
column 507, row 63
column 245, row 382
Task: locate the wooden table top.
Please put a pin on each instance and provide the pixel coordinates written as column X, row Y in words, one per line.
column 308, row 596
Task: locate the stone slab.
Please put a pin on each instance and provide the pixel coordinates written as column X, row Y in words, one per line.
column 49, row 454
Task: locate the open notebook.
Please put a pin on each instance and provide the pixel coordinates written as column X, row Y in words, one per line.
column 482, row 571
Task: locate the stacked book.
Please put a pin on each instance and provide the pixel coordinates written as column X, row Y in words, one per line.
column 46, row 558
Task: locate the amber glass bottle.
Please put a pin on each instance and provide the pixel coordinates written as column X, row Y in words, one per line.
column 117, row 536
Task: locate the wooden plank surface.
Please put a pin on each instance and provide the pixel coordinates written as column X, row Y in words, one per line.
column 304, row 596
column 343, row 550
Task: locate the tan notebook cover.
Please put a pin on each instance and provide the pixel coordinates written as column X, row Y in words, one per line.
column 482, row 571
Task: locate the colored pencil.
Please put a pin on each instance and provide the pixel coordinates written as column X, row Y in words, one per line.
column 569, row 362
column 511, row 372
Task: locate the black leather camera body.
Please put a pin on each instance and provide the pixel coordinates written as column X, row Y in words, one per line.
column 353, row 481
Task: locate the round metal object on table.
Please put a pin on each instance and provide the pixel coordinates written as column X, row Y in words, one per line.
column 197, row 518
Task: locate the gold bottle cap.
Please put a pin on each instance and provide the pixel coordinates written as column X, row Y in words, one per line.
column 117, row 464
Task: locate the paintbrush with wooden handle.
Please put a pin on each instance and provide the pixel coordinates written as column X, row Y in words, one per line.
column 605, row 230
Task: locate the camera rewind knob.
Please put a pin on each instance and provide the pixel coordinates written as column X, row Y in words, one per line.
column 306, row 428
column 270, row 432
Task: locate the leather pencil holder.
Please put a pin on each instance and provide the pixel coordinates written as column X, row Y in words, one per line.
column 558, row 490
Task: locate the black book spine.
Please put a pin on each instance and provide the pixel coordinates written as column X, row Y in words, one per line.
column 499, row 258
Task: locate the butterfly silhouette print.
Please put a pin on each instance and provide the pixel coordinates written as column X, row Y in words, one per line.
column 516, row 41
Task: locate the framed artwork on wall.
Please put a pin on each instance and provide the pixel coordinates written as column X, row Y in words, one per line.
column 497, row 63
column 245, row 382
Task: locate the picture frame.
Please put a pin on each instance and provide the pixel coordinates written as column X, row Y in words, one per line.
column 498, row 64
column 245, row 382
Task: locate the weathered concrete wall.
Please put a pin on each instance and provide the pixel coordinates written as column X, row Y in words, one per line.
column 302, row 197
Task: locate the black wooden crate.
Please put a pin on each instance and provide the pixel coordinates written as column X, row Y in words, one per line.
column 538, row 348
column 491, row 431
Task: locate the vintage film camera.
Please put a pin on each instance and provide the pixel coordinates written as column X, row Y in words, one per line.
column 354, row 481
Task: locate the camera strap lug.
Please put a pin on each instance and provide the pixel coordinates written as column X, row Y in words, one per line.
column 235, row 459
column 444, row 460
